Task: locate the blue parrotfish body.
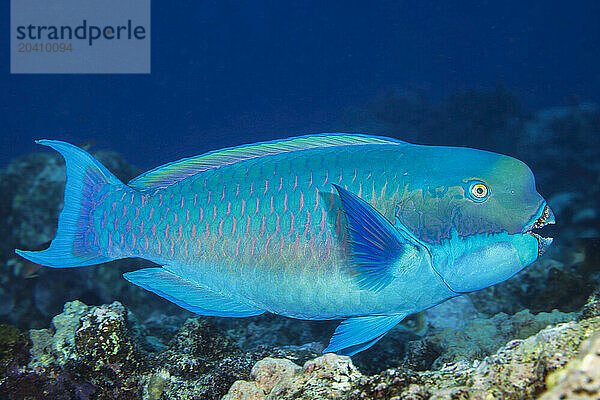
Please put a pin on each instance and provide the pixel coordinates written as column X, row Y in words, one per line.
column 333, row 226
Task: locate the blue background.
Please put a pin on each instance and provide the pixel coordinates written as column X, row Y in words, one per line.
column 225, row 73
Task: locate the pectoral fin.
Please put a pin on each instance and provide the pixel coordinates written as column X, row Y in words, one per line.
column 189, row 295
column 377, row 247
column 359, row 333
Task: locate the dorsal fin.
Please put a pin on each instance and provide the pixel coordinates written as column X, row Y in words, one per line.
column 168, row 174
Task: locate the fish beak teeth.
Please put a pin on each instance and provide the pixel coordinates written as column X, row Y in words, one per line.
column 547, row 218
column 543, row 242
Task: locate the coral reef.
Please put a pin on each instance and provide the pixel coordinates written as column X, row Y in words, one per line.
column 326, row 377
column 518, row 370
column 90, row 344
column 484, row 336
column 580, row 378
column 200, row 362
column 56, row 346
column 101, row 352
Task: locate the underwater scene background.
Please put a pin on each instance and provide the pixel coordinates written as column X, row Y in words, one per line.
column 513, row 79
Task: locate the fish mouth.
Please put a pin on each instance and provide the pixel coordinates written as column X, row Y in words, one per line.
column 543, row 218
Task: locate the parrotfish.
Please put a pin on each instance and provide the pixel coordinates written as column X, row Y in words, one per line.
column 365, row 229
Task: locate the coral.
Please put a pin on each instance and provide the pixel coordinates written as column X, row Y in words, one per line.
column 18, row 381
column 156, row 385
column 271, row 372
column 58, row 346
column 580, row 378
column 14, row 349
column 269, row 375
column 91, row 353
column 517, row 370
column 421, row 354
column 481, row 337
column 244, row 390
column 196, row 348
column 327, row 377
column 200, row 363
column 89, row 350
column 105, row 353
column 98, row 352
column 102, row 340
column 592, row 307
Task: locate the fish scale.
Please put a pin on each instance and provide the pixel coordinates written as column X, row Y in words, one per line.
column 362, row 228
column 271, row 197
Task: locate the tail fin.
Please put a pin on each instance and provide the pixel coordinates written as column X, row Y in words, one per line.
column 70, row 247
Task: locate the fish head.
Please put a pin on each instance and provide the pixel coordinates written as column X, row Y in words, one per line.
column 477, row 212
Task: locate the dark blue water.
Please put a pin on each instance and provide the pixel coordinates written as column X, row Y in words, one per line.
column 224, row 73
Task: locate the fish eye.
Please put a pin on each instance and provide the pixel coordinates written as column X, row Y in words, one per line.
column 478, row 191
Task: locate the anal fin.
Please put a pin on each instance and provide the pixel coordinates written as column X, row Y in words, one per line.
column 359, row 333
column 189, row 295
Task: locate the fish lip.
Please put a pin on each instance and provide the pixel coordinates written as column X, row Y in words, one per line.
column 544, row 217
column 543, row 242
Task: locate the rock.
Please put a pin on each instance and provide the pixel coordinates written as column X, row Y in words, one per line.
column 421, row 354
column 243, row 390
column 202, row 362
column 157, row 384
column 96, row 337
column 271, row 372
column 329, row 376
column 518, row 370
column 95, row 352
column 14, row 348
column 592, row 307
column 58, row 346
column 482, row 337
column 338, row 370
column 102, row 340
column 88, row 347
column 196, row 348
column 580, row 378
